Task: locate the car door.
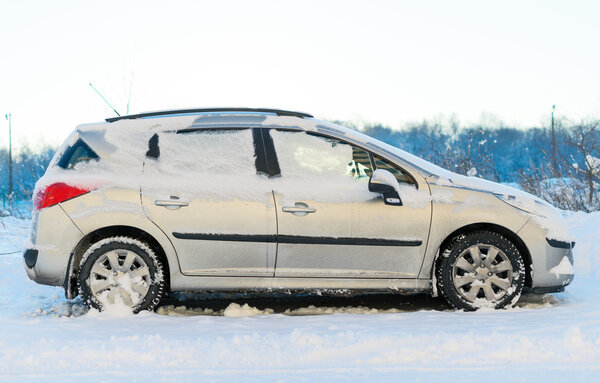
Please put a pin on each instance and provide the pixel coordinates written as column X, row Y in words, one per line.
column 330, row 225
column 203, row 189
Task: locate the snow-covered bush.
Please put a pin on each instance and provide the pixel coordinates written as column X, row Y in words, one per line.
column 570, row 181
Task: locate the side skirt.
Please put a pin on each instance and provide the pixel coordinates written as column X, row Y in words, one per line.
column 407, row 286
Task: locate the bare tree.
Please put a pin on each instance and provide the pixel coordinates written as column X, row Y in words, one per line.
column 586, row 138
column 572, row 183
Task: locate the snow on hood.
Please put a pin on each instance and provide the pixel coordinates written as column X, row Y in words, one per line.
column 480, row 184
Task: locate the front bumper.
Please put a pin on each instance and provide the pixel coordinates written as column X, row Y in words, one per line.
column 547, row 290
column 546, row 256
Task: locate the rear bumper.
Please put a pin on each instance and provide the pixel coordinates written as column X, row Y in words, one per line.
column 53, row 236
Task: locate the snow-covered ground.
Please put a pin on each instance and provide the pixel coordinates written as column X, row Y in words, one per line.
column 555, row 337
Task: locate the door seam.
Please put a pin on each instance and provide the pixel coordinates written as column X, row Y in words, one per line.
column 276, row 233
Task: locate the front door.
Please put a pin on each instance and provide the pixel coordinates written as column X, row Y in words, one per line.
column 330, row 225
column 205, row 193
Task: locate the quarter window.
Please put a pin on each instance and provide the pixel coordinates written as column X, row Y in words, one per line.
column 401, row 175
column 76, row 153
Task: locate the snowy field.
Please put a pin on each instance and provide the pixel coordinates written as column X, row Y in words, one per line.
column 547, row 338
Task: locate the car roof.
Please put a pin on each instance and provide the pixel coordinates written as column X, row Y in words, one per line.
column 180, row 112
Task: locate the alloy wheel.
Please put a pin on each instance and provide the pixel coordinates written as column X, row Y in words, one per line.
column 482, row 272
column 120, row 276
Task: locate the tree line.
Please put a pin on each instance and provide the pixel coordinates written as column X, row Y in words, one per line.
column 27, row 167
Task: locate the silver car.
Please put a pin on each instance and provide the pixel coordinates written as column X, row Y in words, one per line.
column 261, row 199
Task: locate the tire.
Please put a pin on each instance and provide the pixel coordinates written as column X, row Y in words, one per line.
column 480, row 269
column 121, row 270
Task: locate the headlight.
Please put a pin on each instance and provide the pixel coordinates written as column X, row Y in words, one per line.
column 544, row 215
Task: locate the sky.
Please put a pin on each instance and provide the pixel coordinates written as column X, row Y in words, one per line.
column 392, row 62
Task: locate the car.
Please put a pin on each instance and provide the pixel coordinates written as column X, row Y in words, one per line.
column 239, row 199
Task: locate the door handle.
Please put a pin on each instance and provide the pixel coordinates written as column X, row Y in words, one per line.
column 171, row 205
column 300, row 209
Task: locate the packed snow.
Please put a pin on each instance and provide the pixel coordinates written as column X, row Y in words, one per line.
column 564, row 267
column 554, row 337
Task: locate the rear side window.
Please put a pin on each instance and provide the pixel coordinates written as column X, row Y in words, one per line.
column 76, row 153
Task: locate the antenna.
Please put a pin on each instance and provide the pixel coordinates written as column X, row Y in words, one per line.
column 108, row 103
column 130, row 87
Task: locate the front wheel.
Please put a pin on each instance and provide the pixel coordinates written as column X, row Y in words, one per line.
column 480, row 269
column 121, row 271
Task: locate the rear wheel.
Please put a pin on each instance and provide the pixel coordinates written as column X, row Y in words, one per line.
column 480, row 269
column 121, row 271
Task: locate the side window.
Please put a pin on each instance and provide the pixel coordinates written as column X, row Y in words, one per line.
column 76, row 153
column 401, row 175
column 306, row 155
column 211, row 152
column 360, row 167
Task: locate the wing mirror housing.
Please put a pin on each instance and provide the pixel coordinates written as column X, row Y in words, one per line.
column 384, row 182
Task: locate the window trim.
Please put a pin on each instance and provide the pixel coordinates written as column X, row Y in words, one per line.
column 268, row 147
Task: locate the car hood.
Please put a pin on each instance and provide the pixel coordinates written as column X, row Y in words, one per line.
column 479, row 184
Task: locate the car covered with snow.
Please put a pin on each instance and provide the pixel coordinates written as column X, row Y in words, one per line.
column 241, row 199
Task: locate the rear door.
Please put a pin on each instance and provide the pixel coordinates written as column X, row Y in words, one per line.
column 203, row 189
column 330, row 225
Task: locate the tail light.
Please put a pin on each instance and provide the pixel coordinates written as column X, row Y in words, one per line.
column 56, row 193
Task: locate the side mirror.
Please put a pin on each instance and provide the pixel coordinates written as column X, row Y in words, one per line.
column 384, row 182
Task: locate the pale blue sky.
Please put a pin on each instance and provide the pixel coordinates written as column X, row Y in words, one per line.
column 385, row 61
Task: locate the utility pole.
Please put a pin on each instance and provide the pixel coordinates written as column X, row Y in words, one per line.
column 10, row 176
column 554, row 155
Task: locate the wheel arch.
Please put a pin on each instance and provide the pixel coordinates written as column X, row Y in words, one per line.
column 509, row 234
column 106, row 232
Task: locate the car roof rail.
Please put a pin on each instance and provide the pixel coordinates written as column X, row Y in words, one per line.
column 278, row 112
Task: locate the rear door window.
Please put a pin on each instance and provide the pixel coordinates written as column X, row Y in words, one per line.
column 216, row 152
column 207, row 164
